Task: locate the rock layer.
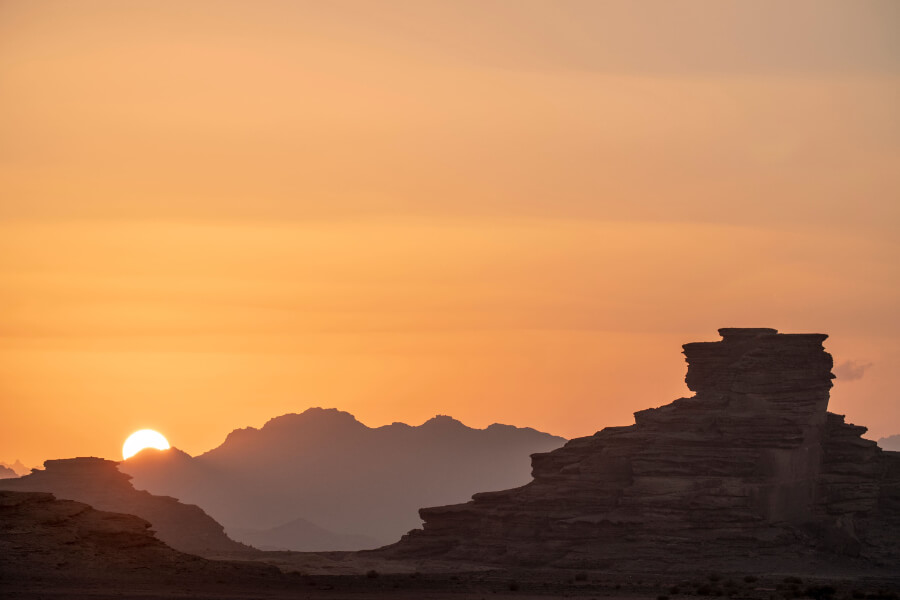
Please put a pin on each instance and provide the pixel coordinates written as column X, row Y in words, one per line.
column 98, row 482
column 751, row 469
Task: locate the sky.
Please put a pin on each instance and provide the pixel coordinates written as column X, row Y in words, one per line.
column 216, row 212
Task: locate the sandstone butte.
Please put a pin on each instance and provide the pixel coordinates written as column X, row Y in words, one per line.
column 750, row 472
column 99, row 483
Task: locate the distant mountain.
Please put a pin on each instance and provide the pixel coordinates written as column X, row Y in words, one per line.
column 6, row 472
column 890, row 443
column 334, row 473
column 17, row 468
column 98, row 482
column 302, row 536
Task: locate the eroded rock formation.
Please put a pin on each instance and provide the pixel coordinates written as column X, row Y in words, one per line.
column 98, row 482
column 751, row 469
column 44, row 539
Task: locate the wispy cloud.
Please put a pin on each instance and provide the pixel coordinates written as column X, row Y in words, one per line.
column 851, row 370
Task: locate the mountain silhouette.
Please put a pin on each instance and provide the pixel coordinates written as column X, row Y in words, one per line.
column 336, row 474
column 301, row 535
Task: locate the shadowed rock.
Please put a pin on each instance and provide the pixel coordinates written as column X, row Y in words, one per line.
column 44, row 539
column 750, row 470
column 98, row 482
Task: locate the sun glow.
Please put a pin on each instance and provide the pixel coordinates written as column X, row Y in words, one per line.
column 145, row 438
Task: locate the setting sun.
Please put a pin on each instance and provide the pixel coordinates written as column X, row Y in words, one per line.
column 145, row 438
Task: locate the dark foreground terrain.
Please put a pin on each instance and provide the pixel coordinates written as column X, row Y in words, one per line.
column 52, row 548
column 483, row 584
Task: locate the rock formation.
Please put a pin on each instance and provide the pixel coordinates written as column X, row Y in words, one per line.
column 346, row 481
column 43, row 539
column 750, row 470
column 98, row 482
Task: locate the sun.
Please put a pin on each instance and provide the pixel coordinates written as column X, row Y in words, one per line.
column 145, row 438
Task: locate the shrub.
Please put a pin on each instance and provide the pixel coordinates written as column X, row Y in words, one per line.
column 820, row 592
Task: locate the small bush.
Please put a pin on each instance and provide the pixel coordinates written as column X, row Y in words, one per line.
column 820, row 592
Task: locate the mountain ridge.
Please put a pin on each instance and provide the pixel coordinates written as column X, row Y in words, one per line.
column 326, row 467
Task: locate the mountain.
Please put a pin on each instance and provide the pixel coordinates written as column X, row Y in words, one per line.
column 98, row 482
column 17, row 468
column 891, row 442
column 52, row 543
column 751, row 472
column 6, row 472
column 302, row 536
column 336, row 474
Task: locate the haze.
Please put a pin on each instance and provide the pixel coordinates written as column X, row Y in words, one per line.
column 213, row 213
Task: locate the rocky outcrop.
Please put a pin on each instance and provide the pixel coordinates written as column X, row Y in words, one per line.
column 98, row 482
column 44, row 539
column 751, row 469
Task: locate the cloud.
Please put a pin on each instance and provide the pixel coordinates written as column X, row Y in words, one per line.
column 850, row 370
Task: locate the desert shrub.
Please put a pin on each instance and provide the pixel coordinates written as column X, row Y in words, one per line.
column 819, row 592
column 883, row 595
column 373, row 574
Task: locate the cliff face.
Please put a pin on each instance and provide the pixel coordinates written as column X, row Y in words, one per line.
column 98, row 482
column 752, row 467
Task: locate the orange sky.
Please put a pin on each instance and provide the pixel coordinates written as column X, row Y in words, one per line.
column 213, row 213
